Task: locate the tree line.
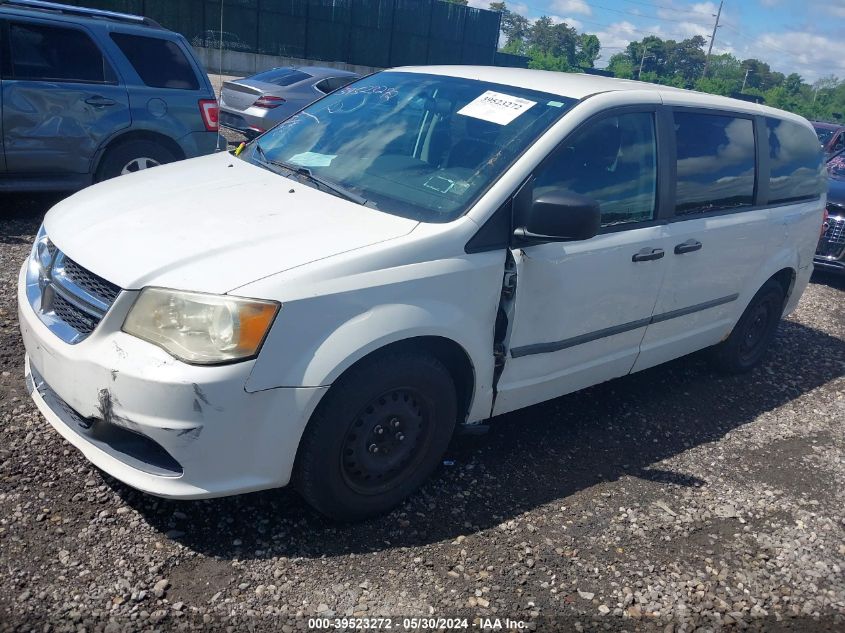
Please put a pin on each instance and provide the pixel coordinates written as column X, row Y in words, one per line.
column 683, row 64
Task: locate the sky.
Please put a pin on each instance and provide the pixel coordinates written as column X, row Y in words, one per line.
column 802, row 36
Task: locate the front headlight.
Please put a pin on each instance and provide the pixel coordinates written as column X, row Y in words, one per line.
column 200, row 328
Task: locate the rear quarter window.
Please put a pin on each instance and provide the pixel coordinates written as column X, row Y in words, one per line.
column 159, row 63
column 796, row 162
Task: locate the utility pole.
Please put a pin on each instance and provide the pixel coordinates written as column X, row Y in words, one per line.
column 713, row 37
column 747, row 70
column 642, row 61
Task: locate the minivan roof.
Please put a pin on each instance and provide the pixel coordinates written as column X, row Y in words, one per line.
column 72, row 14
column 580, row 86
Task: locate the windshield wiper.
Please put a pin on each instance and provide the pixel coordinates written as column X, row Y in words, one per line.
column 304, row 171
column 327, row 184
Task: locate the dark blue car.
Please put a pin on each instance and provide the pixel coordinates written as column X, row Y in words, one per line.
column 87, row 95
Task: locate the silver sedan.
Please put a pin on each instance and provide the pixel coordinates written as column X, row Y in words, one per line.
column 254, row 104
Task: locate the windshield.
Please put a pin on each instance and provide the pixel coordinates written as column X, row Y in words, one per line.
column 824, row 134
column 836, row 165
column 420, row 146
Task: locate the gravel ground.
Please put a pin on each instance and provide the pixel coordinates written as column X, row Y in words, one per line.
column 671, row 500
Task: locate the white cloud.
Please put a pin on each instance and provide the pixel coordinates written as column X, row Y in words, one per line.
column 811, row 55
column 576, row 24
column 571, row 6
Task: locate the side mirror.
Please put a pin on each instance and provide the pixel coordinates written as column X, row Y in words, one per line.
column 559, row 216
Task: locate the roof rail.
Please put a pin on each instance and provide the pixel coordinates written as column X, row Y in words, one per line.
column 42, row 5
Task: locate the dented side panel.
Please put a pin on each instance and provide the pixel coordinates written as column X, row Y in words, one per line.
column 193, row 413
column 569, row 290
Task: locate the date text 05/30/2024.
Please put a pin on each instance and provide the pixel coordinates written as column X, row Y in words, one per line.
column 416, row 624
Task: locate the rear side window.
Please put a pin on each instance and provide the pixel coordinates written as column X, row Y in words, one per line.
column 159, row 63
column 796, row 162
column 614, row 162
column 716, row 162
column 336, row 83
column 282, row 76
column 323, row 86
column 48, row 53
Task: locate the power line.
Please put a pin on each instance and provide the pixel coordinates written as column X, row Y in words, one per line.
column 636, row 15
column 665, row 8
column 618, row 11
column 756, row 41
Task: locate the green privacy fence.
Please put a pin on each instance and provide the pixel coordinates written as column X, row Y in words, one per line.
column 379, row 33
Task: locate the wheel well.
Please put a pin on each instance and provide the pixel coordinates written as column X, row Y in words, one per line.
column 448, row 352
column 142, row 135
column 786, row 278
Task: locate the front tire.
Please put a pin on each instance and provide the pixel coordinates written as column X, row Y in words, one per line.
column 750, row 339
column 377, row 435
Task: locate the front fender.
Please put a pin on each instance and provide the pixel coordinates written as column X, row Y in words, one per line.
column 316, row 338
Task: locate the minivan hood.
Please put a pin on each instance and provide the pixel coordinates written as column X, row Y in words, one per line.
column 209, row 224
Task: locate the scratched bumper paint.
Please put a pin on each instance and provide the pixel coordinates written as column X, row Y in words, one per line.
column 226, row 440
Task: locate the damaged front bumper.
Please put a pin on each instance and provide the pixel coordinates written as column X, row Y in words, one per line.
column 160, row 425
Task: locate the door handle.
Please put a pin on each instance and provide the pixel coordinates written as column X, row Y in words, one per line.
column 648, row 254
column 99, row 101
column 687, row 247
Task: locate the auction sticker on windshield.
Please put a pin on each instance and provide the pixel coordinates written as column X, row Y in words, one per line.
column 496, row 107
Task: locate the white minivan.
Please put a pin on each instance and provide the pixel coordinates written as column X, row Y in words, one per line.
column 419, row 251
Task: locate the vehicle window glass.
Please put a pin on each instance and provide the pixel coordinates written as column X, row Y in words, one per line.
column 796, row 162
column 716, row 159
column 281, row 76
column 339, row 82
column 824, row 134
column 323, row 86
column 413, row 144
column 613, row 161
column 159, row 63
column 56, row 54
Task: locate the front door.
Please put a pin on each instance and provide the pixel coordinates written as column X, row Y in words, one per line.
column 61, row 99
column 581, row 308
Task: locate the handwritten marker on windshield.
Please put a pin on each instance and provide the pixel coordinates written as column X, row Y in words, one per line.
column 240, row 148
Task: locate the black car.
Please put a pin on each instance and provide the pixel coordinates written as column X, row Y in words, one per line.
column 830, row 254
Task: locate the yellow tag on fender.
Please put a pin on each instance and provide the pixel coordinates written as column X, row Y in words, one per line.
column 239, row 149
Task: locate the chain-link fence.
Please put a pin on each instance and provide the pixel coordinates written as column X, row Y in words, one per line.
column 379, row 33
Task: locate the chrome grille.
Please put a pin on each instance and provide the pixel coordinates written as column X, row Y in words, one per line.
column 68, row 298
column 835, row 232
column 90, row 282
column 832, row 242
column 76, row 318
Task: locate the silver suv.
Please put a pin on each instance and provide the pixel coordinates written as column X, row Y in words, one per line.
column 87, row 95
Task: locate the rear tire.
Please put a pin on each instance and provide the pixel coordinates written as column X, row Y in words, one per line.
column 132, row 156
column 377, row 435
column 750, row 339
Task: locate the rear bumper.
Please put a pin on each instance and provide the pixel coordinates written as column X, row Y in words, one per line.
column 245, row 122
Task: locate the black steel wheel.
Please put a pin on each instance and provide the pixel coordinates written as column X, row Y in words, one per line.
column 377, row 435
column 387, row 438
column 750, row 339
